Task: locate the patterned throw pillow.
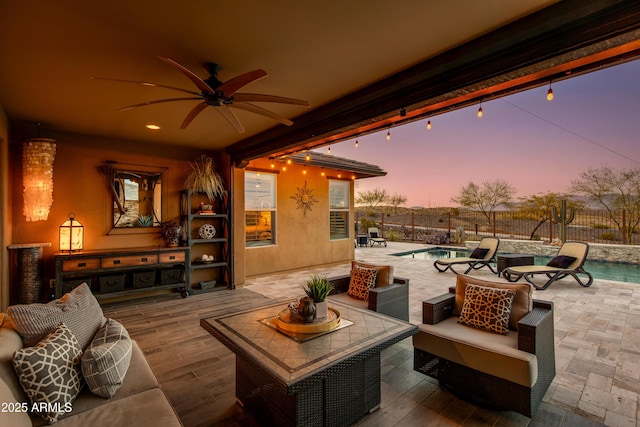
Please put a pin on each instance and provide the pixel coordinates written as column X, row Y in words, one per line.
column 487, row 308
column 78, row 309
column 106, row 361
column 362, row 279
column 49, row 372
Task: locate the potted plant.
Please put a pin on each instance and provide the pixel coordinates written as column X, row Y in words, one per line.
column 171, row 232
column 318, row 288
column 204, row 179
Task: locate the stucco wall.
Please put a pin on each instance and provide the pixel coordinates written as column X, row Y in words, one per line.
column 79, row 186
column 301, row 241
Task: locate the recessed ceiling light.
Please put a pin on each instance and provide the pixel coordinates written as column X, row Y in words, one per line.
column 152, row 127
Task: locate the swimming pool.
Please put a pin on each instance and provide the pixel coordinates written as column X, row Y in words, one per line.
column 621, row 272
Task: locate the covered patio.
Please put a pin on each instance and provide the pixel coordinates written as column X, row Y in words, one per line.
column 596, row 333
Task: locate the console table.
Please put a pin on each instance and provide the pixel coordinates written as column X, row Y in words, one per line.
column 333, row 379
column 124, row 272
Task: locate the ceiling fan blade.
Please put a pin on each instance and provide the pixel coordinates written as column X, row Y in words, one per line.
column 192, row 114
column 256, row 97
column 159, row 101
column 200, row 84
column 228, row 114
column 146, row 84
column 231, row 86
column 263, row 112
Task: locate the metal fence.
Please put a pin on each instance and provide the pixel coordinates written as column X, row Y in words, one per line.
column 437, row 225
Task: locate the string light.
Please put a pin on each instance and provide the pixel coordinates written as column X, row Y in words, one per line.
column 304, row 170
column 307, row 157
column 356, row 144
column 322, row 172
column 428, row 124
column 273, row 165
column 329, row 150
column 288, row 161
column 388, row 134
column 550, row 93
column 480, row 114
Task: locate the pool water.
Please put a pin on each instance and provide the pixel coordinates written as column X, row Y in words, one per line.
column 621, row 272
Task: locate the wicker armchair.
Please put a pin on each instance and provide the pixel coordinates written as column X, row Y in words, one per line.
column 488, row 382
column 392, row 300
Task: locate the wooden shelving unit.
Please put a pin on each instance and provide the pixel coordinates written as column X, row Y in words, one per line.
column 208, row 275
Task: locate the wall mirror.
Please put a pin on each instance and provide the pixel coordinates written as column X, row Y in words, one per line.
column 136, row 196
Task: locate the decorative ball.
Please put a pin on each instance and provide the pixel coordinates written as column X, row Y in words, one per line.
column 207, row 231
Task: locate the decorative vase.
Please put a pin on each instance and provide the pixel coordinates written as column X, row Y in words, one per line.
column 322, row 309
column 306, row 310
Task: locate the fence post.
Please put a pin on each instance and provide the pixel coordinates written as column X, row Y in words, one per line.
column 624, row 227
column 494, row 223
column 550, row 227
column 382, row 225
column 449, row 223
column 413, row 227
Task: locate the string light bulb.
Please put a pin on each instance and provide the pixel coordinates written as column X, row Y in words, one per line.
column 304, row 170
column 322, row 172
column 307, row 157
column 550, row 93
column 388, row 134
column 428, row 124
column 288, row 161
column 329, row 150
column 273, row 165
column 480, row 114
column 356, row 144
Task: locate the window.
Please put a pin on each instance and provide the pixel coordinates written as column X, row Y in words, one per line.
column 260, row 208
column 339, row 209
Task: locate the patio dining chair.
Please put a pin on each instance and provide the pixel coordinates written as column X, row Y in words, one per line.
column 482, row 256
column 568, row 262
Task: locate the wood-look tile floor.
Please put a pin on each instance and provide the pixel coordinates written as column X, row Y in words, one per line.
column 197, row 373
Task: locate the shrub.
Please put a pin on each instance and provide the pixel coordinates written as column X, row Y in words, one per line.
column 393, row 235
column 600, row 226
column 608, row 236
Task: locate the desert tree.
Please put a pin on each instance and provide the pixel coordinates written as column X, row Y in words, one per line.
column 397, row 200
column 615, row 191
column 538, row 208
column 372, row 199
column 485, row 197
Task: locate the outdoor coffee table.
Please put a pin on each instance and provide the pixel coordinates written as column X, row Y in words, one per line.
column 330, row 379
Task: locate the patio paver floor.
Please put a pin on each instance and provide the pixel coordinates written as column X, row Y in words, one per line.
column 597, row 330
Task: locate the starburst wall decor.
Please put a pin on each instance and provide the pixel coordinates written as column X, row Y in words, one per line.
column 305, row 198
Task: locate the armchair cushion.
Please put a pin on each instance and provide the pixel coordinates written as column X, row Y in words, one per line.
column 362, row 279
column 486, row 352
column 522, row 301
column 385, row 272
column 488, row 309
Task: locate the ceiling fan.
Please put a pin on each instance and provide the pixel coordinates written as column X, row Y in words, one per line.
column 222, row 95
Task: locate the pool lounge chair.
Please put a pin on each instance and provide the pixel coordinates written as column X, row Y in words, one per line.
column 568, row 262
column 482, row 256
column 375, row 237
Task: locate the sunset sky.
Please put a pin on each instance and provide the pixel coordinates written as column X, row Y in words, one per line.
column 538, row 146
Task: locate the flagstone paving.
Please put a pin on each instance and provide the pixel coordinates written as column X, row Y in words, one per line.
column 597, row 330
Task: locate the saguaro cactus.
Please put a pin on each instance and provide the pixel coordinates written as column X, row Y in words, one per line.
column 563, row 219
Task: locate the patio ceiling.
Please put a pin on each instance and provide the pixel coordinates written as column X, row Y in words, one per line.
column 357, row 63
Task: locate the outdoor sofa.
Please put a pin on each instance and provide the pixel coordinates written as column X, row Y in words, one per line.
column 511, row 371
column 390, row 295
column 136, row 397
